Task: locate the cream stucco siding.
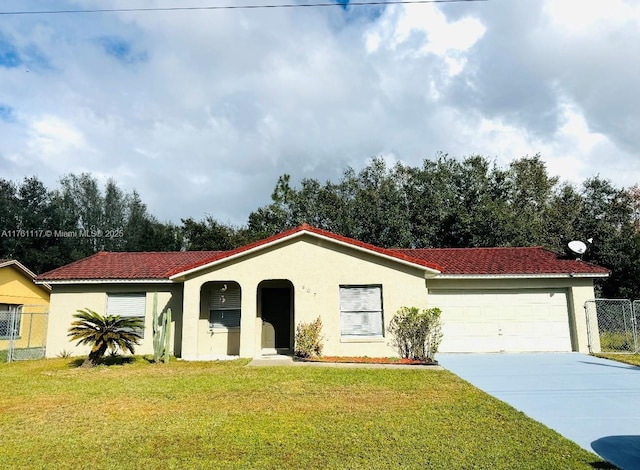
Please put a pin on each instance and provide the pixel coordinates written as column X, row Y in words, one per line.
column 67, row 299
column 302, row 275
column 316, row 269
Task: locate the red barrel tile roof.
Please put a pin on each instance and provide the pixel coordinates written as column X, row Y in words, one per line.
column 503, row 261
column 469, row 261
column 127, row 265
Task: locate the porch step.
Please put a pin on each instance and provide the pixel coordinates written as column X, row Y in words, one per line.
column 272, row 360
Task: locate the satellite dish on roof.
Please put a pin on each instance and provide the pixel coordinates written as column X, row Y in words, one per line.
column 577, row 247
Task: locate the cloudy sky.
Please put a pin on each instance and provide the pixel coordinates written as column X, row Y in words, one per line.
column 202, row 110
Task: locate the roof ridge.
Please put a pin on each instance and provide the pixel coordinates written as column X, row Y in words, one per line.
column 475, row 248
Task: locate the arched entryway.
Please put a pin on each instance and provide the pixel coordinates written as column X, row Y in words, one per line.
column 220, row 315
column 275, row 308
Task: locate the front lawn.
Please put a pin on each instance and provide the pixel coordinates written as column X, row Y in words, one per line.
column 633, row 359
column 227, row 415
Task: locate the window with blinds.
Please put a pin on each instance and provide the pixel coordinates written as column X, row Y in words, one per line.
column 224, row 306
column 127, row 305
column 361, row 311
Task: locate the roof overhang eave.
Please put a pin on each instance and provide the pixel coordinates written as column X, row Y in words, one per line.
column 105, row 281
column 26, row 271
column 523, row 276
column 429, row 272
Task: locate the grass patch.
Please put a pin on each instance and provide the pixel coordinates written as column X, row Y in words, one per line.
column 616, row 341
column 225, row 415
column 365, row 360
column 633, row 359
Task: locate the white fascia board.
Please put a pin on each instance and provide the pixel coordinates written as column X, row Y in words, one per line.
column 298, row 234
column 106, row 281
column 26, row 271
column 521, row 276
column 18, row 265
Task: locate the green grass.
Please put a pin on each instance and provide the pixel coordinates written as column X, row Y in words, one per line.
column 633, row 359
column 226, row 415
column 616, row 341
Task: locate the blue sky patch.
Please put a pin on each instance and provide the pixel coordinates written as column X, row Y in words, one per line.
column 364, row 12
column 121, row 49
column 9, row 55
column 6, row 113
column 35, row 59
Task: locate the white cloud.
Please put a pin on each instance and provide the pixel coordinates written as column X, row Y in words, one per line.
column 219, row 104
column 589, row 16
column 53, row 137
column 420, row 30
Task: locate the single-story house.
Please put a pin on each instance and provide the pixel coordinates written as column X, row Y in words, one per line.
column 23, row 307
column 247, row 301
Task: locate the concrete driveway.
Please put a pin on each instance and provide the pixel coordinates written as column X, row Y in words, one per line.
column 594, row 402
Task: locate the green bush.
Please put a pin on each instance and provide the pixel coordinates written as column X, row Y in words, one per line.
column 417, row 334
column 309, row 339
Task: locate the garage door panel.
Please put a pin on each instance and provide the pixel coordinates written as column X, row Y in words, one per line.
column 496, row 321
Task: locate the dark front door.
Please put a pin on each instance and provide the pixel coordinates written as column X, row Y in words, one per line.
column 276, row 317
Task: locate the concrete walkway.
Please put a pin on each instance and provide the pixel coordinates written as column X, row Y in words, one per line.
column 281, row 360
column 594, row 402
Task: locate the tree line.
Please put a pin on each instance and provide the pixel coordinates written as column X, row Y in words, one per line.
column 45, row 229
column 445, row 202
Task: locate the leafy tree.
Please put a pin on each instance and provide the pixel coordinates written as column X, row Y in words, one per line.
column 143, row 232
column 85, row 205
column 210, row 235
column 275, row 217
column 8, row 217
column 378, row 206
column 531, row 190
column 114, row 216
column 607, row 218
column 105, row 332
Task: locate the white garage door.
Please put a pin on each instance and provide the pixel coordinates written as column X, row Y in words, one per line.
column 503, row 321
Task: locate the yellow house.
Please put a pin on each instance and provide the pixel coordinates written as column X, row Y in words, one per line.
column 23, row 307
column 248, row 301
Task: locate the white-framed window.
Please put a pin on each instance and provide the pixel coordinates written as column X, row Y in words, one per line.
column 10, row 318
column 361, row 311
column 224, row 305
column 128, row 305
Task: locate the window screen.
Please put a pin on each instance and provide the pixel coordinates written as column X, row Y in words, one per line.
column 361, row 311
column 224, row 306
column 127, row 305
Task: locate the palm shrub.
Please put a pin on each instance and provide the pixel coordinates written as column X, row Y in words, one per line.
column 309, row 339
column 104, row 332
column 417, row 334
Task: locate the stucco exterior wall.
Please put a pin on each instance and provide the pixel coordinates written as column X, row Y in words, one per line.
column 316, row 269
column 578, row 291
column 18, row 289
column 67, row 299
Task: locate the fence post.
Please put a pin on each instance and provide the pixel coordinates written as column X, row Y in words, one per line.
column 12, row 332
column 635, row 310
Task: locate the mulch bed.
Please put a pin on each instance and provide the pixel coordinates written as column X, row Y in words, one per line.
column 367, row 360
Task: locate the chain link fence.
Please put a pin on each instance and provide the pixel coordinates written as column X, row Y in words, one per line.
column 612, row 325
column 23, row 332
